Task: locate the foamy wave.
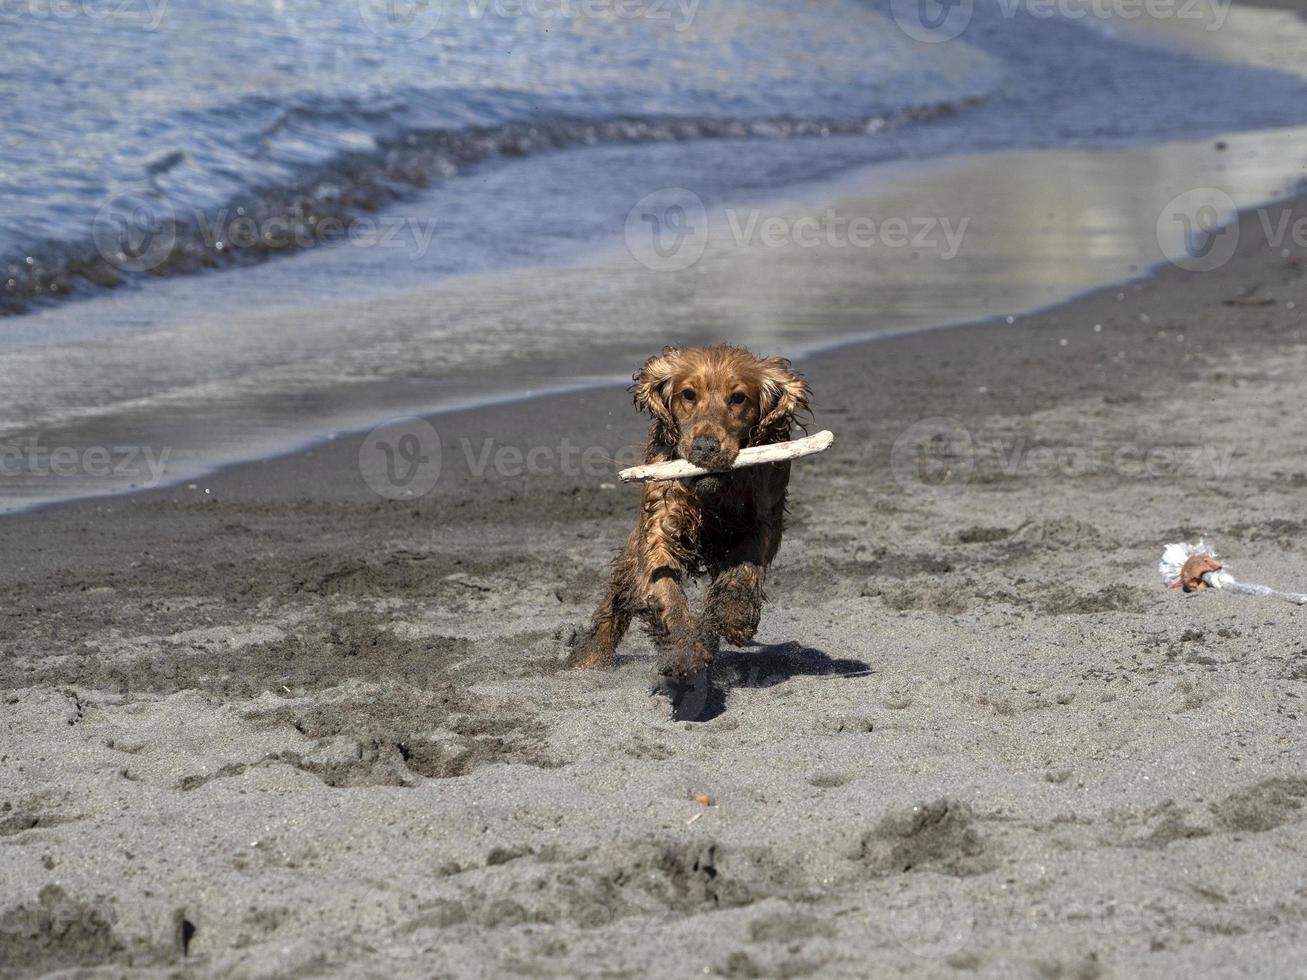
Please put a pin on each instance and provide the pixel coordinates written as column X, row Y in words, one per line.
column 159, row 228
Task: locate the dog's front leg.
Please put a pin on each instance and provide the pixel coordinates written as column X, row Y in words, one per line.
column 683, row 647
column 733, row 605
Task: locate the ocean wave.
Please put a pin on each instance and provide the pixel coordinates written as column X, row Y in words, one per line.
column 163, row 225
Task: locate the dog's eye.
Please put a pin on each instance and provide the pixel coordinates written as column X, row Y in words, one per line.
column 688, row 394
column 739, row 398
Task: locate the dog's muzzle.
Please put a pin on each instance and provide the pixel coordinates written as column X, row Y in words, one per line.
column 707, row 452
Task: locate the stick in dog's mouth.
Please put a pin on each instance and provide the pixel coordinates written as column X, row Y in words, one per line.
column 777, row 452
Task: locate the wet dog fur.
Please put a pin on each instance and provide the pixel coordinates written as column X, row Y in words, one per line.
column 705, row 405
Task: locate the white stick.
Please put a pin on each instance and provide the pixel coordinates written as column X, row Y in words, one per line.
column 1226, row 582
column 777, row 452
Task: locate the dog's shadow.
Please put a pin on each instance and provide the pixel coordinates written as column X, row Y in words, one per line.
column 703, row 696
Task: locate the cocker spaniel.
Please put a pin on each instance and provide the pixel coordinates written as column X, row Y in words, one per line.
column 705, row 405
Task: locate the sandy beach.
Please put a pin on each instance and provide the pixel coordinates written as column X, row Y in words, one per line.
column 274, row 724
column 306, row 716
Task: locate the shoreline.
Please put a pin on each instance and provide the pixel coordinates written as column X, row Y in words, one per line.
column 794, row 299
column 517, row 412
column 215, row 382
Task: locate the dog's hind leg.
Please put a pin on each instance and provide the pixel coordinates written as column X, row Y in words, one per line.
column 597, row 645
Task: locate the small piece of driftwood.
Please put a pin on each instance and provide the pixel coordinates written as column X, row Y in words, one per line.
column 777, row 452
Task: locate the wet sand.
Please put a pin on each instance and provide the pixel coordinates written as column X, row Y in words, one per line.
column 279, row 725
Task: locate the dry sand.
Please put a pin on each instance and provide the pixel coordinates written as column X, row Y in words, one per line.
column 278, row 726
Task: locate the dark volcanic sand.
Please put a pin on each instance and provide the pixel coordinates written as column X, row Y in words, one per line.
column 287, row 727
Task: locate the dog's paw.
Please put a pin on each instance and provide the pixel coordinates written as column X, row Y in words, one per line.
column 589, row 652
column 737, row 621
column 734, row 604
column 684, row 654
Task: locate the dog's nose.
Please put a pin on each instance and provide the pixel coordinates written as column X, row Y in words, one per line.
column 705, row 446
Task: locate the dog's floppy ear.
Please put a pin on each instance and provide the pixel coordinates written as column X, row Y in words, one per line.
column 653, row 386
column 783, row 396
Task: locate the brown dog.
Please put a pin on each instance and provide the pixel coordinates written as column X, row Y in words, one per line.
column 706, row 404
